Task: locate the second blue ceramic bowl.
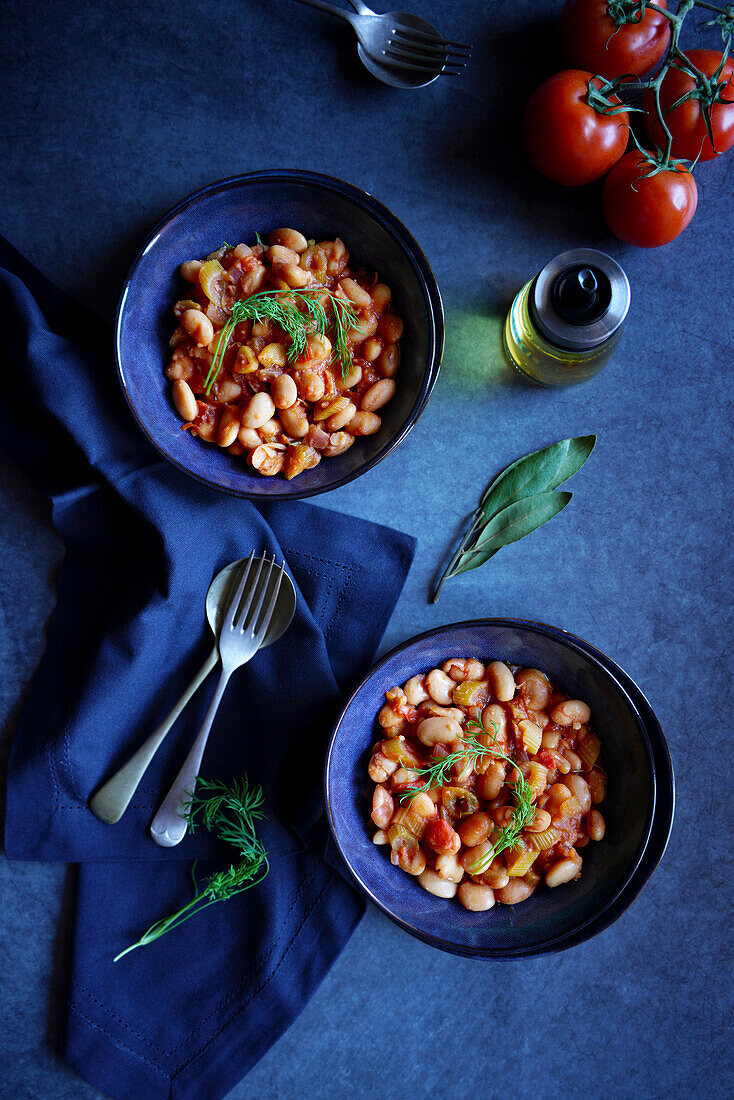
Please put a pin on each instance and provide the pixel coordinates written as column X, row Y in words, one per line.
column 234, row 210
column 638, row 809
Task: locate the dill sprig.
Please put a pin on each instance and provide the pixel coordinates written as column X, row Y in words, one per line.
column 299, row 313
column 439, row 773
column 229, row 813
column 471, row 750
column 524, row 808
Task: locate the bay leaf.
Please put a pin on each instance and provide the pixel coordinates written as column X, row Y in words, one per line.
column 513, row 523
column 538, row 472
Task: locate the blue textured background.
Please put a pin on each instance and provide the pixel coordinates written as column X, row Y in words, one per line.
column 112, row 113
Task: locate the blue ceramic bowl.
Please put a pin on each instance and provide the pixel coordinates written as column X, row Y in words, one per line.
column 638, row 809
column 234, row 210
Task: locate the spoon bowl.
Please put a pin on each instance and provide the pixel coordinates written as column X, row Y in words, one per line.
column 391, row 74
column 222, row 588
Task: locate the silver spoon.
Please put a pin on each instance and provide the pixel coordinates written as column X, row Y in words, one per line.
column 247, row 617
column 400, row 48
column 111, row 800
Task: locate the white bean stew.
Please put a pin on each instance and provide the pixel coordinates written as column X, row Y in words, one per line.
column 283, row 354
column 487, row 782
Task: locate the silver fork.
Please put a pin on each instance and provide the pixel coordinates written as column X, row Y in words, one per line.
column 393, row 40
column 243, row 631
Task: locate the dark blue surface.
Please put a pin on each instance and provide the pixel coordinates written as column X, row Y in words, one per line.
column 613, row 873
column 113, row 113
column 237, row 209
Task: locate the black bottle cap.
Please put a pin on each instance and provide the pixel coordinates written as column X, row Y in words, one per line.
column 581, row 295
column 579, row 299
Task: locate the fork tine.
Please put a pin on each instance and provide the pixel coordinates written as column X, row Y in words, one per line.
column 408, row 33
column 402, row 54
column 260, row 588
column 438, row 46
column 234, row 620
column 268, row 614
column 436, row 68
column 234, row 603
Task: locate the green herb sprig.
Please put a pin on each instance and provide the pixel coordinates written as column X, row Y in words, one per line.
column 229, row 813
column 299, row 313
column 439, row 773
column 523, row 815
column 520, row 500
column 471, row 750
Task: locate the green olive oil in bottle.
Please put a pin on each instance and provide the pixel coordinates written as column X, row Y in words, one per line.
column 566, row 323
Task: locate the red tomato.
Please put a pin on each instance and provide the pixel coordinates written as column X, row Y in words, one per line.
column 589, row 40
column 686, row 122
column 566, row 139
column 647, row 210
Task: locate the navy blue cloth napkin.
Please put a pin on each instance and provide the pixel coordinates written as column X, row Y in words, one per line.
column 188, row 1015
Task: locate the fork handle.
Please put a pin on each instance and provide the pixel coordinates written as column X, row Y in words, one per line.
column 362, row 8
column 111, row 800
column 169, row 825
column 324, row 6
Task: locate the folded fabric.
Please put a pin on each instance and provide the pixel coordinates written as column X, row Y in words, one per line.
column 187, row 1015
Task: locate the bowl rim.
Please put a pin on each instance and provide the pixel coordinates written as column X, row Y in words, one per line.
column 658, row 825
column 384, row 217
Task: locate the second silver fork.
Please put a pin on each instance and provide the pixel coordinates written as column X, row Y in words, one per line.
column 242, row 632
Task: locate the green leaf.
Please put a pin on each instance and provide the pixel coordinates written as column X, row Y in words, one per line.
column 518, row 501
column 538, row 472
column 511, row 524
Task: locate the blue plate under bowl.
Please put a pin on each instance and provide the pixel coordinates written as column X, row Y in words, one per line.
column 234, row 210
column 638, row 808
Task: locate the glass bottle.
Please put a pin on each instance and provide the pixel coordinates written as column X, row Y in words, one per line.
column 566, row 323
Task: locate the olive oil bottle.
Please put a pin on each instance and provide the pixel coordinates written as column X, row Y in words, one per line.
column 566, row 323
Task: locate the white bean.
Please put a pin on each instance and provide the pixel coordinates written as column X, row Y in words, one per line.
column 294, row 421
column 249, row 438
column 184, row 400
column 381, row 295
column 364, row 423
column 371, row 348
column 378, row 394
column 292, row 274
column 595, row 825
column 341, row 418
column 388, row 361
column 516, row 891
column 415, row 692
column 280, row 254
column 259, row 411
column 289, row 238
column 571, row 713
column 561, row 872
column 190, row 270
column 284, row 392
column 198, row 326
column 356, row 293
column 501, row 681
column 475, row 897
column 229, row 426
column 434, row 884
column 449, row 867
column 438, row 731
column 440, row 687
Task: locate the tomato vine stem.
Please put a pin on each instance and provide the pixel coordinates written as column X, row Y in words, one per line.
column 708, row 89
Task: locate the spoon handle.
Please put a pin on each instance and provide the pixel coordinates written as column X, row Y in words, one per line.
column 324, row 6
column 169, row 825
column 110, row 801
column 362, row 8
